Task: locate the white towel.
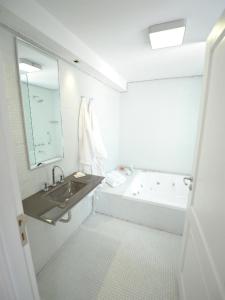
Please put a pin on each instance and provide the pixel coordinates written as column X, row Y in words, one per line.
column 115, row 178
column 92, row 152
column 86, row 150
column 100, row 153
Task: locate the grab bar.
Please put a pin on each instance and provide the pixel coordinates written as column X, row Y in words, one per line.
column 68, row 218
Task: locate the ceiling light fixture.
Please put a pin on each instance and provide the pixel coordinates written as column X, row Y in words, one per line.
column 28, row 66
column 168, row 34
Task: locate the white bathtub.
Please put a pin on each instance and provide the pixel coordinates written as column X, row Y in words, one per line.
column 159, row 188
column 153, row 199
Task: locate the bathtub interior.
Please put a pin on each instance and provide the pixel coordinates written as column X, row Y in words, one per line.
column 153, row 199
column 157, row 187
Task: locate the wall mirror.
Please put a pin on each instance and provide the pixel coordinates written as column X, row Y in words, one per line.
column 39, row 82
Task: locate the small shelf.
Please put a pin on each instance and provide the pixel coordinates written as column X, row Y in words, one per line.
column 39, row 207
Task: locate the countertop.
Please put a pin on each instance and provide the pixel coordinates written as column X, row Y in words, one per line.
column 37, row 206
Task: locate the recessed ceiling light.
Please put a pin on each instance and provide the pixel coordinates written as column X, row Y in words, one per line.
column 168, row 34
column 28, row 66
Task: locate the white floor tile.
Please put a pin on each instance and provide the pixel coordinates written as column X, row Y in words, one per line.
column 107, row 258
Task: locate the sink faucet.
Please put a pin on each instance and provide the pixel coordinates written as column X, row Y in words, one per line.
column 53, row 175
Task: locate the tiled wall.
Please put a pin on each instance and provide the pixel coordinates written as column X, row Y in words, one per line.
column 159, row 121
column 44, row 239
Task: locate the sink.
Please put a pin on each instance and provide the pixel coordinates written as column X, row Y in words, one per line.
column 63, row 193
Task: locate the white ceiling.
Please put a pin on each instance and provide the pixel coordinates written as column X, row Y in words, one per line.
column 118, row 31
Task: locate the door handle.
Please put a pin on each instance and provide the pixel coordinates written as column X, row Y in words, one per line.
column 22, row 220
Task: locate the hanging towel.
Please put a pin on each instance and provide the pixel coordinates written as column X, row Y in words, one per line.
column 100, row 153
column 85, row 139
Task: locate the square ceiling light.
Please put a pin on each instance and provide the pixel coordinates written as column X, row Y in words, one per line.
column 168, row 34
column 28, row 66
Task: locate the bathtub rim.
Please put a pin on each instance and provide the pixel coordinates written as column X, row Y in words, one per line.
column 157, row 171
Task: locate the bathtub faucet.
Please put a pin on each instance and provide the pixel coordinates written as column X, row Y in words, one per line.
column 189, row 183
column 190, row 179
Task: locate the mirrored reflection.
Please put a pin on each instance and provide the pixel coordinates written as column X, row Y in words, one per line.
column 41, row 104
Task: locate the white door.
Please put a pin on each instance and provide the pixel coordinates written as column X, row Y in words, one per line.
column 203, row 259
column 17, row 278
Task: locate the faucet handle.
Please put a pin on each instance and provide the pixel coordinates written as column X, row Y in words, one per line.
column 61, row 178
column 46, row 187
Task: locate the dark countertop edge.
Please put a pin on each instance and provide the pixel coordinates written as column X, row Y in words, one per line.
column 92, row 182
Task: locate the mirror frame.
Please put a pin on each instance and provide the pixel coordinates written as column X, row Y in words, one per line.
column 39, row 48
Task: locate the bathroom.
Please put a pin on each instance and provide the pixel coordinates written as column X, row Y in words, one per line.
column 123, row 225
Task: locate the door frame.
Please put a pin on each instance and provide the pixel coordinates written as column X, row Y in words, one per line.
column 18, row 280
column 215, row 37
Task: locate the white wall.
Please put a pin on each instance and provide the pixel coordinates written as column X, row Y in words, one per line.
column 73, row 85
column 46, row 239
column 159, row 123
